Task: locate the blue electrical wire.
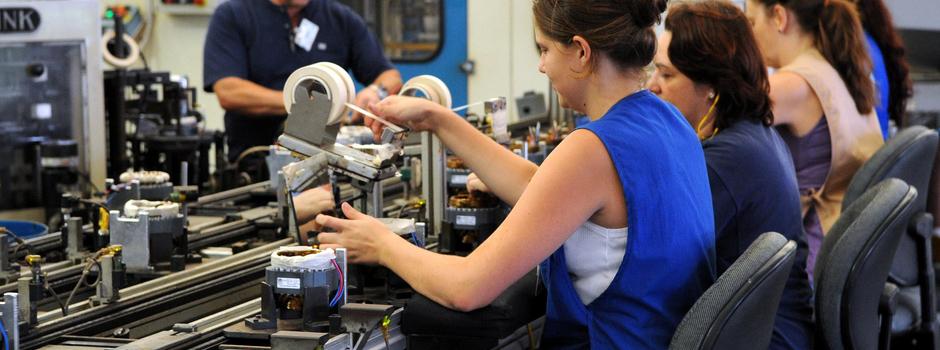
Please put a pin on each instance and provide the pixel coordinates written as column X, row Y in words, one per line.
column 6, row 340
column 340, row 289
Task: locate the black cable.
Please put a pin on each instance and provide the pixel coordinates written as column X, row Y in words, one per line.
column 365, row 337
column 88, row 181
column 65, row 309
column 81, row 280
column 98, row 277
column 143, row 59
column 95, row 204
column 20, row 242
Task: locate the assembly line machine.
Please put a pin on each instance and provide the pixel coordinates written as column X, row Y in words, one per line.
column 149, row 264
column 163, row 259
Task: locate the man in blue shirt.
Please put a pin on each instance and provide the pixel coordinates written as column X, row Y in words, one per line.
column 252, row 46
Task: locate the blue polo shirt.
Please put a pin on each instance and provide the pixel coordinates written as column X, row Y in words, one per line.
column 250, row 39
column 754, row 190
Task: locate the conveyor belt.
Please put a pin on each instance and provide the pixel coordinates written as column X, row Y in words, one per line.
column 153, row 297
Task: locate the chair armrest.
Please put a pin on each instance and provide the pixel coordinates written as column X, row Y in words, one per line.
column 887, row 305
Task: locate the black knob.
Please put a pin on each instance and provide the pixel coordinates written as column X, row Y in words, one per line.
column 35, row 70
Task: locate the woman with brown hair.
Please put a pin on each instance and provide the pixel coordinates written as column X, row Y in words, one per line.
column 636, row 164
column 823, row 100
column 708, row 65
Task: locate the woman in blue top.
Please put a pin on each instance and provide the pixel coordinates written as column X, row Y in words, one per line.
column 637, row 164
column 709, row 66
column 889, row 65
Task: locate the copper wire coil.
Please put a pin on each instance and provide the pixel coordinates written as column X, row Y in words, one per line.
column 298, row 253
column 455, row 163
column 472, row 200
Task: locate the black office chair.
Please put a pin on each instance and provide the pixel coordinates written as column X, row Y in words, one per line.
column 430, row 325
column 908, row 156
column 738, row 311
column 852, row 269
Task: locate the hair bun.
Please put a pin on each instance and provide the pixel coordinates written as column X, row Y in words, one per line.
column 623, row 29
column 645, row 13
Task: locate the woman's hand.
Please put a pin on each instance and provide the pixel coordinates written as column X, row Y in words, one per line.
column 415, row 113
column 363, row 236
column 314, row 201
column 475, row 184
column 365, row 98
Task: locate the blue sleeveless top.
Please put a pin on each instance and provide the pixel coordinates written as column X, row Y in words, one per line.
column 882, row 84
column 670, row 255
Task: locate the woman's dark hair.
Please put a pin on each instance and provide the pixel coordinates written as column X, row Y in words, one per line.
column 712, row 44
column 623, row 29
column 838, row 34
column 876, row 19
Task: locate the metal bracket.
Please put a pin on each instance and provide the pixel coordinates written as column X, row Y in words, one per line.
column 308, row 118
column 308, row 173
column 185, row 328
column 74, row 238
column 287, row 340
column 9, row 315
column 137, row 234
column 112, row 279
column 5, row 270
column 361, row 318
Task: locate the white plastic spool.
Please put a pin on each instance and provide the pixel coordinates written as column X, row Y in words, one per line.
column 336, row 82
column 115, row 61
column 433, row 89
column 133, row 208
column 145, row 177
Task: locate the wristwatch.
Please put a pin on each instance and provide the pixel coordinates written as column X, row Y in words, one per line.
column 379, row 89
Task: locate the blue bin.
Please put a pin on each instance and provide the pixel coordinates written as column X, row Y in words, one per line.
column 24, row 229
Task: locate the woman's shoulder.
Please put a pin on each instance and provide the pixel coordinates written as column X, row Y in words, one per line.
column 747, row 146
column 642, row 101
column 788, row 87
column 642, row 112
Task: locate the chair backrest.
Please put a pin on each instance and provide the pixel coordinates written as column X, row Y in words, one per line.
column 908, row 156
column 738, row 311
column 853, row 263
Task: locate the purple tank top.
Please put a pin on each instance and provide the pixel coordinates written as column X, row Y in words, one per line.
column 812, row 158
column 812, row 155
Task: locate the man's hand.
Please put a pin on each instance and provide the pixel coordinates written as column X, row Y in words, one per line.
column 249, row 98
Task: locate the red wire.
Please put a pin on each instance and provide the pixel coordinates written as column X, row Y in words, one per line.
column 341, row 288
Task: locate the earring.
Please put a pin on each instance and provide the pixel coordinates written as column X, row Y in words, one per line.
column 711, row 95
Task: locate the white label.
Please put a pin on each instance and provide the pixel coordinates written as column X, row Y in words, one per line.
column 42, row 111
column 458, row 179
column 500, row 121
column 306, row 34
column 466, row 220
column 288, row 283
